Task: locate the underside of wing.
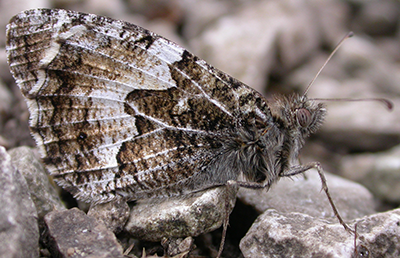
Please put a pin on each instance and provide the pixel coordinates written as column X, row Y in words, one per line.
column 118, row 110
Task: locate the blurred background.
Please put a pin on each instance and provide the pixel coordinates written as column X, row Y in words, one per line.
column 276, row 47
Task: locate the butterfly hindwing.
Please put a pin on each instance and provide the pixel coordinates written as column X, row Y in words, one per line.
column 118, row 110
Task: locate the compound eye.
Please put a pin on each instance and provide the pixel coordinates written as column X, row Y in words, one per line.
column 303, row 117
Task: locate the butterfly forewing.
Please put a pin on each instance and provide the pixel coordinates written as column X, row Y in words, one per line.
column 118, row 110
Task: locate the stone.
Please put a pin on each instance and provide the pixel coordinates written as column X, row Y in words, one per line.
column 19, row 232
column 304, row 195
column 176, row 217
column 71, row 233
column 379, row 234
column 376, row 17
column 379, row 172
column 177, row 246
column 15, row 129
column 113, row 214
column 276, row 234
column 362, row 126
column 202, row 14
column 41, row 190
column 255, row 40
column 5, row 74
column 104, row 7
column 252, row 35
column 6, row 99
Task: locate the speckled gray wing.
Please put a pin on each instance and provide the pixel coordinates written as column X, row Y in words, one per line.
column 118, row 110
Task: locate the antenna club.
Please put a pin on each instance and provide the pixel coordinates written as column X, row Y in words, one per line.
column 389, row 104
column 350, row 34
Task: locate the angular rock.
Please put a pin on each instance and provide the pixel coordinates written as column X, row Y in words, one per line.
column 304, row 195
column 277, row 234
column 202, row 212
column 113, row 214
column 41, row 190
column 71, row 233
column 177, row 246
column 19, row 232
column 379, row 234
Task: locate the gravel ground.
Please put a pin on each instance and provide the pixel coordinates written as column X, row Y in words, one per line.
column 275, row 47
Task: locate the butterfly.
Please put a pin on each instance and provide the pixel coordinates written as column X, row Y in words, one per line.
column 118, row 111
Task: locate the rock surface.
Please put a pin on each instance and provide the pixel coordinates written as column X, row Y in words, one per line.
column 5, row 102
column 41, row 190
column 279, row 44
column 19, row 232
column 71, row 233
column 276, row 234
column 155, row 219
column 379, row 172
column 177, row 246
column 237, row 37
column 113, row 214
column 304, row 195
column 369, row 128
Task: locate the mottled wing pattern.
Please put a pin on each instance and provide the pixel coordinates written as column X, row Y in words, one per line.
column 118, row 110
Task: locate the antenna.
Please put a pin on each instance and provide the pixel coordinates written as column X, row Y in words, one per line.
column 388, row 104
column 348, row 35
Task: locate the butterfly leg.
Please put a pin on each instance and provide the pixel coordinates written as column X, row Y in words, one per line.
column 231, row 191
column 231, row 188
column 295, row 170
column 303, row 168
column 359, row 250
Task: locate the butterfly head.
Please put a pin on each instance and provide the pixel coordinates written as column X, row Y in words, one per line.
column 297, row 118
column 309, row 115
column 276, row 147
column 299, row 115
